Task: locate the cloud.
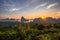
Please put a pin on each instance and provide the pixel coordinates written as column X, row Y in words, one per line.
column 32, row 1
column 51, row 5
column 41, row 5
column 58, row 12
column 14, row 9
column 8, row 3
column 44, row 4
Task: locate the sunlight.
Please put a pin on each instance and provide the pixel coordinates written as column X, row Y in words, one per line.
column 43, row 17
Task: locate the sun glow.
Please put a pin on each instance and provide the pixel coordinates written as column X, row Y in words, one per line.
column 43, row 17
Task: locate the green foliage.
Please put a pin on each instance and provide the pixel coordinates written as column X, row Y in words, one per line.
column 36, row 31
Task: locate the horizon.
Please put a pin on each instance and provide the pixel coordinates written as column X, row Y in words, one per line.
column 43, row 18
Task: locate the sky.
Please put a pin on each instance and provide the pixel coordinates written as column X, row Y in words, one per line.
column 29, row 8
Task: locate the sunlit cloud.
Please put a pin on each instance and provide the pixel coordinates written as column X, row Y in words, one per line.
column 29, row 8
column 41, row 5
column 58, row 12
column 52, row 5
column 14, row 9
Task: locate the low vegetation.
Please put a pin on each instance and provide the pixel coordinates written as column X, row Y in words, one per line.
column 29, row 31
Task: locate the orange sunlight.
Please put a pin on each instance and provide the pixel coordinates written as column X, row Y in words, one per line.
column 43, row 17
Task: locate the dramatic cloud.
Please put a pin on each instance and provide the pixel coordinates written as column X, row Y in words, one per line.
column 41, row 5
column 29, row 7
column 52, row 5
